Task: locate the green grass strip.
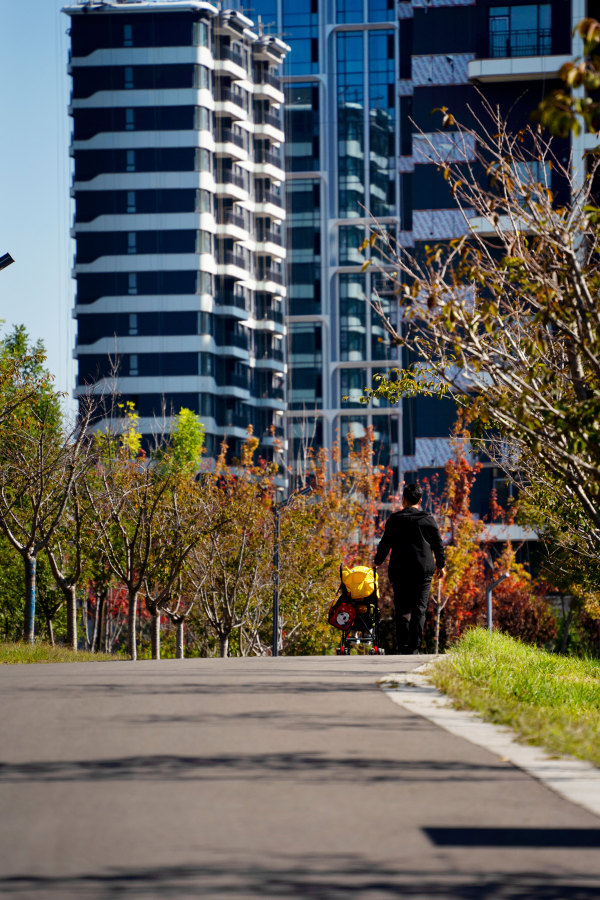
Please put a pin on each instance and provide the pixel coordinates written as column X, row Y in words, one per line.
column 14, row 653
column 549, row 700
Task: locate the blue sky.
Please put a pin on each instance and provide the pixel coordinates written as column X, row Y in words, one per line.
column 35, row 208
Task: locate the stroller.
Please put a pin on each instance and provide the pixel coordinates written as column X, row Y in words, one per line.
column 355, row 611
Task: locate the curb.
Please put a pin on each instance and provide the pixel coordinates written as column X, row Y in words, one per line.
column 574, row 779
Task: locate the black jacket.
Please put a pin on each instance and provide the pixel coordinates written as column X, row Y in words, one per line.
column 414, row 539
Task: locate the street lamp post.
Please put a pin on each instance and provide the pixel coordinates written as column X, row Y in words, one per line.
column 488, row 597
column 277, row 507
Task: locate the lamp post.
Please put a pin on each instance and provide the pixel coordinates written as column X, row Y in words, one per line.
column 5, row 260
column 488, row 597
column 277, row 507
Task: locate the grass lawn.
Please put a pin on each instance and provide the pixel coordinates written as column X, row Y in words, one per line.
column 549, row 700
column 43, row 653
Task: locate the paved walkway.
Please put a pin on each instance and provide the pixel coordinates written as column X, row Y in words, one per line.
column 264, row 778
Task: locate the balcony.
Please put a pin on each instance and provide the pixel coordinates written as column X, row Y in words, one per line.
column 228, row 53
column 269, row 275
column 268, row 85
column 518, row 55
column 231, row 104
column 235, row 219
column 265, row 313
column 231, row 299
column 231, row 258
column 271, row 237
column 233, row 339
column 227, row 136
column 270, row 126
column 530, row 42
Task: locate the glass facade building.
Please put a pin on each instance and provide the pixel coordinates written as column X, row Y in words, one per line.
column 341, row 150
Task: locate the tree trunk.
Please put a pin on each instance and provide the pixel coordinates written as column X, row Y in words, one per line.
column 100, row 604
column 71, row 598
column 223, row 646
column 50, row 628
column 155, row 635
column 179, row 650
column 30, row 596
column 132, row 625
column 564, row 640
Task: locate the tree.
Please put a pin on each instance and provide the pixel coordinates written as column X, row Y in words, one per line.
column 563, row 111
column 134, row 498
column 507, row 318
column 40, row 463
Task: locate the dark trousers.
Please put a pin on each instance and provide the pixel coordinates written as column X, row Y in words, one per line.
column 411, row 598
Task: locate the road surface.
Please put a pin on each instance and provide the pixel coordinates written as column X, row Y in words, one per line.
column 265, row 778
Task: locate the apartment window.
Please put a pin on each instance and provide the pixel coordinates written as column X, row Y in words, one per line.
column 201, row 77
column 203, row 242
column 204, row 283
column 203, row 160
column 133, row 364
column 202, row 119
column 130, row 161
column 521, row 30
column 201, row 34
column 203, row 201
column 128, row 77
column 129, row 120
column 132, row 283
column 206, row 363
column 131, row 242
column 131, row 207
column 132, row 326
column 128, row 35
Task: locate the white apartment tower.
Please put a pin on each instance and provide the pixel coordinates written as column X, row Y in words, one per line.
column 179, row 209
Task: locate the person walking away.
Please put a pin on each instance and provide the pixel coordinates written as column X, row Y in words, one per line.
column 417, row 554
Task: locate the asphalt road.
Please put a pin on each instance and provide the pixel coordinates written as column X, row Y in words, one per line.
column 265, row 778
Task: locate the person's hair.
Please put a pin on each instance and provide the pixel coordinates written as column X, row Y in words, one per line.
column 412, row 494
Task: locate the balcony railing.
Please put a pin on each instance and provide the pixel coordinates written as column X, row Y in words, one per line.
column 231, row 339
column 268, row 78
column 271, row 354
column 226, row 298
column 269, row 314
column 239, row 99
column 226, row 176
column 270, row 197
column 531, row 42
column 266, row 118
column 267, row 158
column 269, row 275
column 226, row 135
column 226, row 418
column 271, row 236
column 227, row 53
column 231, row 258
column 230, row 218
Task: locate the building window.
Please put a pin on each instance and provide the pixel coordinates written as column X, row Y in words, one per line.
column 132, row 328
column 203, row 201
column 200, row 34
column 203, row 242
column 521, row 30
column 202, row 119
column 132, row 283
column 130, row 161
column 129, row 120
column 201, row 77
column 131, row 207
column 205, row 283
column 351, row 238
column 131, row 242
column 128, row 78
column 203, row 160
column 128, row 35
column 133, row 364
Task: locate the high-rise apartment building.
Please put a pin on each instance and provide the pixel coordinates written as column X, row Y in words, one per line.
column 179, row 209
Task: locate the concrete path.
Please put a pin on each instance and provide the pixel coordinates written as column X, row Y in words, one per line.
column 264, row 778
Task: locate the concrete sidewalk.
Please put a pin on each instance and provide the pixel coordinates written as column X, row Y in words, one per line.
column 265, row 778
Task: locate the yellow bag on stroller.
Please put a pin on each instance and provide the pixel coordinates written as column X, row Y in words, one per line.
column 360, row 581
